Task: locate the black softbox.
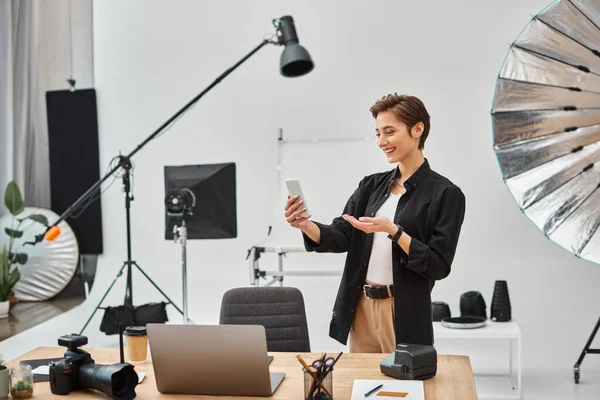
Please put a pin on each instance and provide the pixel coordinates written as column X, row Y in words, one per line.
column 210, row 191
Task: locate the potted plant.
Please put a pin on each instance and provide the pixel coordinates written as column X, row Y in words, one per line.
column 4, row 379
column 8, row 279
column 21, row 390
column 21, row 382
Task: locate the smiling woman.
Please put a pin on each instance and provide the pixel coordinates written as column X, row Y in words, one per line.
column 400, row 229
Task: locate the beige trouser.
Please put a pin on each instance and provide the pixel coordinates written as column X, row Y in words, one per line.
column 373, row 327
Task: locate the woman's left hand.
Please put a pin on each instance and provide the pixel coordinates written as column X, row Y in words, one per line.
column 370, row 225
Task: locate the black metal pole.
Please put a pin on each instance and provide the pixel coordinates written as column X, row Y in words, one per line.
column 94, row 188
column 122, row 356
column 128, row 199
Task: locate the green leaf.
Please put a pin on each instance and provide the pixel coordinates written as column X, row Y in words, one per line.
column 13, row 278
column 13, row 199
column 7, row 278
column 20, row 258
column 40, row 218
column 3, row 269
column 13, row 233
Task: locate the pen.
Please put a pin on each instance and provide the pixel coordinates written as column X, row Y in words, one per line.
column 370, row 392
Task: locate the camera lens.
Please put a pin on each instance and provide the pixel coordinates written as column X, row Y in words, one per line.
column 117, row 380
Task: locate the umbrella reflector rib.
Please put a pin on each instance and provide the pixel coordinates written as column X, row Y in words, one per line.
column 516, row 158
column 523, row 65
column 549, row 212
column 521, row 96
column 542, row 39
column 531, row 186
column 571, row 21
column 590, row 9
column 590, row 251
column 578, row 228
column 520, row 125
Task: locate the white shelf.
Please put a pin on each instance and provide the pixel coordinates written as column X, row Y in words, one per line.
column 492, row 330
column 489, row 386
column 492, row 387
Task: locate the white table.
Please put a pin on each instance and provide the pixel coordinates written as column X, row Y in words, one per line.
column 492, row 386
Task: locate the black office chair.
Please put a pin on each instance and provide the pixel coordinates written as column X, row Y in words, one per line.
column 279, row 309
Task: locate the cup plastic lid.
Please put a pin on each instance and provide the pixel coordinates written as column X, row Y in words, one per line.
column 135, row 331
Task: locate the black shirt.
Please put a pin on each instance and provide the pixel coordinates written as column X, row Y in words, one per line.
column 431, row 212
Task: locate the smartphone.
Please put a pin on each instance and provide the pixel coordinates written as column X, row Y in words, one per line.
column 294, row 189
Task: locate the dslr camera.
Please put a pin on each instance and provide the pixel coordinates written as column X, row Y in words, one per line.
column 78, row 371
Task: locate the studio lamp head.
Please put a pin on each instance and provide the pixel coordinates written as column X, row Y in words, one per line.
column 180, row 202
column 295, row 60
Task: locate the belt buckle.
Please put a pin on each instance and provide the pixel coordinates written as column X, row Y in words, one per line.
column 365, row 287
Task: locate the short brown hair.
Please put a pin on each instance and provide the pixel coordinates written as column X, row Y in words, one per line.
column 408, row 109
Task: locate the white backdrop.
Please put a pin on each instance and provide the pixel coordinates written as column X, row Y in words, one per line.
column 151, row 57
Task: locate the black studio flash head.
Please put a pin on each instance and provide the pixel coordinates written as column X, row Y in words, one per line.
column 180, row 202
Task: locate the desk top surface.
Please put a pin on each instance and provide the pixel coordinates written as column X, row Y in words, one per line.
column 454, row 379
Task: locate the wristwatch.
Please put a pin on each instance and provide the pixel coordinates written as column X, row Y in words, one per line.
column 397, row 235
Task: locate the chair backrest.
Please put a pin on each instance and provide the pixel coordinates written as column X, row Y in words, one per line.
column 279, row 309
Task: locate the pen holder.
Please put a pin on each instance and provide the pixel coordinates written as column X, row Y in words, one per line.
column 312, row 389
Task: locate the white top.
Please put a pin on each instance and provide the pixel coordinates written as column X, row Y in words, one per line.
column 380, row 264
column 492, row 330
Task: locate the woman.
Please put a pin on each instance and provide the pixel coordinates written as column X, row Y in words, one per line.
column 400, row 229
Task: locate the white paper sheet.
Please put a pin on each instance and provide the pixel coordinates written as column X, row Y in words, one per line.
column 42, row 370
column 414, row 389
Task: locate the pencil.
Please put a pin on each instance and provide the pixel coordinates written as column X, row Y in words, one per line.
column 299, row 357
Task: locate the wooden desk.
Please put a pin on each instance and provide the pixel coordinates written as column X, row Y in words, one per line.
column 454, row 379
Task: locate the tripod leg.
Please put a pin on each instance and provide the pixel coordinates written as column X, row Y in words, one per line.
column 103, row 297
column 584, row 352
column 157, row 288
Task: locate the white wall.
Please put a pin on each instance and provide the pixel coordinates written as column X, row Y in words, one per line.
column 151, row 57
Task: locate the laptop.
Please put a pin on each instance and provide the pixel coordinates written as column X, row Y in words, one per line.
column 228, row 360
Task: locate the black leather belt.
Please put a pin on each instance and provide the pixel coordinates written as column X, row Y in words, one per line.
column 379, row 292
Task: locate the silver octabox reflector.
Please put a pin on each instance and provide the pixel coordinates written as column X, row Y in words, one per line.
column 546, row 123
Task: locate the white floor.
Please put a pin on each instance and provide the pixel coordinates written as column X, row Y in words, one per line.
column 558, row 384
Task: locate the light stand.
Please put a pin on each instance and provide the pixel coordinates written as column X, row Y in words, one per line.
column 295, row 61
column 180, row 235
column 586, row 350
column 200, row 203
column 180, row 204
column 125, row 164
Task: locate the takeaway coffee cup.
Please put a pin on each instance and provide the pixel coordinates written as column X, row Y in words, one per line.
column 136, row 344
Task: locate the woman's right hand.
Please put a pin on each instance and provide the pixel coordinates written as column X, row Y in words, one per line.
column 294, row 208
